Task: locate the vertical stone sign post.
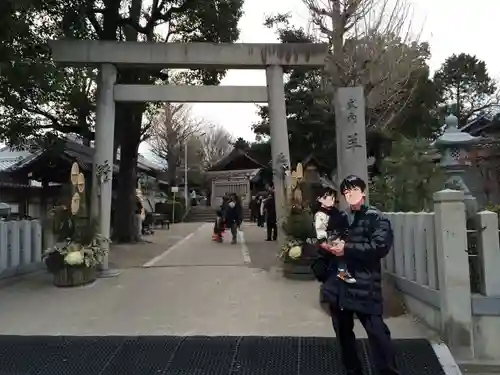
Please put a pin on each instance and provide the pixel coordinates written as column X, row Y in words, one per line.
column 351, row 133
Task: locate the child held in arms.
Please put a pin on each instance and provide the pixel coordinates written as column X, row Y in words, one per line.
column 332, row 227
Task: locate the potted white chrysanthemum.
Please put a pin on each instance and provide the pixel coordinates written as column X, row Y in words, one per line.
column 299, row 251
column 74, row 260
column 74, row 264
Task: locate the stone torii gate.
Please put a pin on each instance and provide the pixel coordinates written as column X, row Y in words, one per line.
column 109, row 55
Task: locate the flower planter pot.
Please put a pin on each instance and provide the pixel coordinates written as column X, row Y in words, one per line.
column 297, row 271
column 300, row 269
column 74, row 276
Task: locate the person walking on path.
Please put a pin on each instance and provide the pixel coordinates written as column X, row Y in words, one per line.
column 260, row 218
column 369, row 239
column 254, row 209
column 271, row 219
column 234, row 216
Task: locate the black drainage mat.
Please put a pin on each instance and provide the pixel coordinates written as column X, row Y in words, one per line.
column 172, row 355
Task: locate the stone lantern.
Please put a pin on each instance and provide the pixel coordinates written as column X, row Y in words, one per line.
column 453, row 146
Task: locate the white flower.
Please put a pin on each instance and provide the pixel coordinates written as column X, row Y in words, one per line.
column 74, row 258
column 295, row 252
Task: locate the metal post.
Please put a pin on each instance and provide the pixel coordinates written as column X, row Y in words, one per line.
column 186, row 198
column 173, row 210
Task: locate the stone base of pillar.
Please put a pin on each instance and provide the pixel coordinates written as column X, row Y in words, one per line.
column 108, row 273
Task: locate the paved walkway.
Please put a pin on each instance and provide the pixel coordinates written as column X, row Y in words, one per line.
column 193, row 287
column 135, row 255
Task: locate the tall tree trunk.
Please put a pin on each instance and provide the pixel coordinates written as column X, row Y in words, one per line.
column 124, row 228
column 128, row 124
column 172, row 167
column 172, row 142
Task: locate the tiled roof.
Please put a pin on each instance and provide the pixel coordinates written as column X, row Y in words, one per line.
column 6, row 163
column 234, row 154
column 73, row 150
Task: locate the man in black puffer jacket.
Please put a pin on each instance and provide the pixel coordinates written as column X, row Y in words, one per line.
column 369, row 240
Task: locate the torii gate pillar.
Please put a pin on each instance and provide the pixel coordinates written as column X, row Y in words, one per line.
column 103, row 158
column 280, row 149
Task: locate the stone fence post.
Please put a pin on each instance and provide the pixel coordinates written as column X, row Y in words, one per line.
column 488, row 252
column 453, row 271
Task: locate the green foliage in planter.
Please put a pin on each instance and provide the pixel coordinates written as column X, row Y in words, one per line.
column 299, row 225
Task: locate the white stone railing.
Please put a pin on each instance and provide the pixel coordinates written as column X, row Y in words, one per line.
column 429, row 263
column 20, row 246
column 414, row 252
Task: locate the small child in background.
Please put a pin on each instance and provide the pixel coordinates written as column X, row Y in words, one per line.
column 220, row 225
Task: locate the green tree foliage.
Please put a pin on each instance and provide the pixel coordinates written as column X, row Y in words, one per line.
column 241, row 144
column 420, row 117
column 37, row 96
column 261, row 151
column 463, row 81
column 409, row 178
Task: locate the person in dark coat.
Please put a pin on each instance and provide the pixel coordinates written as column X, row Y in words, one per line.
column 234, row 216
column 254, row 209
column 271, row 219
column 369, row 239
column 260, row 212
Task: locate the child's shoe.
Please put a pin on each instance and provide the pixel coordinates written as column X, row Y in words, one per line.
column 345, row 276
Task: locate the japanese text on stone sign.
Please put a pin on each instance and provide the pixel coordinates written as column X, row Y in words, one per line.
column 353, row 138
column 353, row 141
column 351, row 111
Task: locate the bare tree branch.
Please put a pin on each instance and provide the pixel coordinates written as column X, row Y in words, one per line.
column 171, row 127
column 216, row 143
column 371, row 45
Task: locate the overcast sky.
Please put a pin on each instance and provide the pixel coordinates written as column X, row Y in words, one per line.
column 450, row 26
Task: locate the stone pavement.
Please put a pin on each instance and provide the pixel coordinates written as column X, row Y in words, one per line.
column 194, row 287
column 135, row 255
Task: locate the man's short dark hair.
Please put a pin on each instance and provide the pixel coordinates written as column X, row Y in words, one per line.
column 352, row 182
